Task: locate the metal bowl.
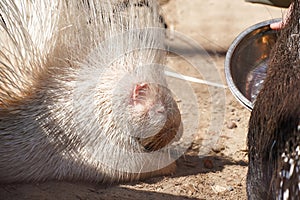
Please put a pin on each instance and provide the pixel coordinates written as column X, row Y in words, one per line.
column 246, row 61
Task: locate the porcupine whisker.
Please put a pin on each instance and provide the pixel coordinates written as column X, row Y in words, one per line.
column 193, row 79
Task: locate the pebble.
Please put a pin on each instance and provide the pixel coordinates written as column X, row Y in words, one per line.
column 218, row 148
column 231, row 125
column 208, row 164
column 218, row 189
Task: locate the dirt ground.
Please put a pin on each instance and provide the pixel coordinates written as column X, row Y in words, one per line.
column 215, row 123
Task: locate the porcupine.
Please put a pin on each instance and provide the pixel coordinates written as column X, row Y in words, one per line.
column 83, row 94
column 274, row 126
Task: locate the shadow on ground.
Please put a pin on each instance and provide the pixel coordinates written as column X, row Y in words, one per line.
column 187, row 165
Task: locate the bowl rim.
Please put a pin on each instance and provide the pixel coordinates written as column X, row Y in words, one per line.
column 232, row 87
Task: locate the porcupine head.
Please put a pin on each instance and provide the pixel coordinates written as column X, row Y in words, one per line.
column 83, row 91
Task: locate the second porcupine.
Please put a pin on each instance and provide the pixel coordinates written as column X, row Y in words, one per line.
column 82, row 92
column 274, row 126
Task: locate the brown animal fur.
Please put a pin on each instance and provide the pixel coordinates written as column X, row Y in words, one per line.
column 273, row 137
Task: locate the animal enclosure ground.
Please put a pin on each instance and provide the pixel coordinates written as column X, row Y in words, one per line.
column 220, row 172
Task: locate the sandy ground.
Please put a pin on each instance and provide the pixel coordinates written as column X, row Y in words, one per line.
column 215, row 124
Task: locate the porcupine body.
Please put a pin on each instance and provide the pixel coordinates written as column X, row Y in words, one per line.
column 82, row 91
column 274, row 126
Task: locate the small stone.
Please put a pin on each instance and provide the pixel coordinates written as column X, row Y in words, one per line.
column 218, row 149
column 191, row 188
column 208, row 164
column 218, row 189
column 230, row 188
column 231, row 125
